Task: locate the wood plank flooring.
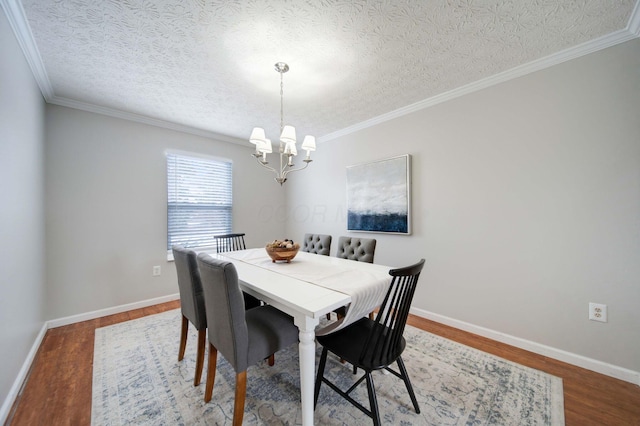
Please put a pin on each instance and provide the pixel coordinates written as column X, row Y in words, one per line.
column 58, row 389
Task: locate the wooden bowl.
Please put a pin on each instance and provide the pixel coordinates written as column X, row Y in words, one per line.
column 282, row 254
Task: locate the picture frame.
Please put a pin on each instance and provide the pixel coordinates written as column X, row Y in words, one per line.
column 379, row 196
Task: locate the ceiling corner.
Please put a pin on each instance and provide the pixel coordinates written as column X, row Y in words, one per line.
column 18, row 21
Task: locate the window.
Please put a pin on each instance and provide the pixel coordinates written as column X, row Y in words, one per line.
column 199, row 199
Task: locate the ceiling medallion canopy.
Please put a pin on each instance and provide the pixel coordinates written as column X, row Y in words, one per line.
column 287, row 148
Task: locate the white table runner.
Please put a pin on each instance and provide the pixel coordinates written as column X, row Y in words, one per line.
column 366, row 283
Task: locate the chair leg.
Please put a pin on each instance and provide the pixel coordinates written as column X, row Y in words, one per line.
column 319, row 376
column 211, row 372
column 183, row 337
column 407, row 382
column 272, row 360
column 373, row 401
column 342, row 360
column 241, row 394
column 202, row 337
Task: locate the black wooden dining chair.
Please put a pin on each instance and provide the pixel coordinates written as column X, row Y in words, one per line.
column 243, row 337
column 374, row 344
column 229, row 242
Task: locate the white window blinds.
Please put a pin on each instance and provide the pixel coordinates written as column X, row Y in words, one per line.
column 199, row 200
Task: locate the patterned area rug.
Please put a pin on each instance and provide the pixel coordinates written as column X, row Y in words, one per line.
column 138, row 380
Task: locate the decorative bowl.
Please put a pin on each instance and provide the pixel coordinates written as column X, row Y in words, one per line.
column 282, row 250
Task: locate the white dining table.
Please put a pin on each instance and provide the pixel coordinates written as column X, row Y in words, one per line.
column 296, row 289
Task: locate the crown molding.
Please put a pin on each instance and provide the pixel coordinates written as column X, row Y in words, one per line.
column 631, row 32
column 112, row 112
column 634, row 21
column 18, row 21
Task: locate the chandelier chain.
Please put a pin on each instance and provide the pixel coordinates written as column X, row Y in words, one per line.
column 281, row 102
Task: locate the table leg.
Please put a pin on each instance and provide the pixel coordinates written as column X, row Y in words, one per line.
column 307, row 351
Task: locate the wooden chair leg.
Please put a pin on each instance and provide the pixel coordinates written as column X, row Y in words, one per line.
column 202, row 338
column 183, row 337
column 241, row 394
column 211, row 372
column 272, row 360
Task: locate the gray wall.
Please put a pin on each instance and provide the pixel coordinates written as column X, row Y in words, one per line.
column 106, row 208
column 21, row 210
column 526, row 203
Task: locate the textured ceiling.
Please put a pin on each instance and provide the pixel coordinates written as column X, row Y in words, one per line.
column 209, row 64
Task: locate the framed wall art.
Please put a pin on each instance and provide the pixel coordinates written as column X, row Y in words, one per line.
column 378, row 196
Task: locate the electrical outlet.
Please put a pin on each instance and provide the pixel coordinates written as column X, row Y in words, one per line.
column 156, row 271
column 597, row 312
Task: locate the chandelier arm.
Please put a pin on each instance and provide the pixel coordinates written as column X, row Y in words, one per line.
column 286, row 172
column 265, row 166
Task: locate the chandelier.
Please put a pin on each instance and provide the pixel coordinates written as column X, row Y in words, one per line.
column 287, row 148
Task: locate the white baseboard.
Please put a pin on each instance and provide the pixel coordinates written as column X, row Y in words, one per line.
column 22, row 376
column 558, row 354
column 110, row 311
column 24, row 371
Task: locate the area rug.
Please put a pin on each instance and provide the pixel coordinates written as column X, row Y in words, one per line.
column 137, row 379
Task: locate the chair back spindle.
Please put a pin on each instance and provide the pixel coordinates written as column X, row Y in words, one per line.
column 385, row 338
column 229, row 242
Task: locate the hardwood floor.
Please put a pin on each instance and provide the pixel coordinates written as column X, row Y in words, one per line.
column 58, row 389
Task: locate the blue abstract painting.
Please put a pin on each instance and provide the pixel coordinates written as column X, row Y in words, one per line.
column 378, row 196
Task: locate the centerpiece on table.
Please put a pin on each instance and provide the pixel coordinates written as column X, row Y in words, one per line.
column 282, row 250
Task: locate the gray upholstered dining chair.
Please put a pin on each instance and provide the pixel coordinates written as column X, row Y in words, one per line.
column 243, row 337
column 317, row 243
column 360, row 249
column 233, row 242
column 191, row 304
